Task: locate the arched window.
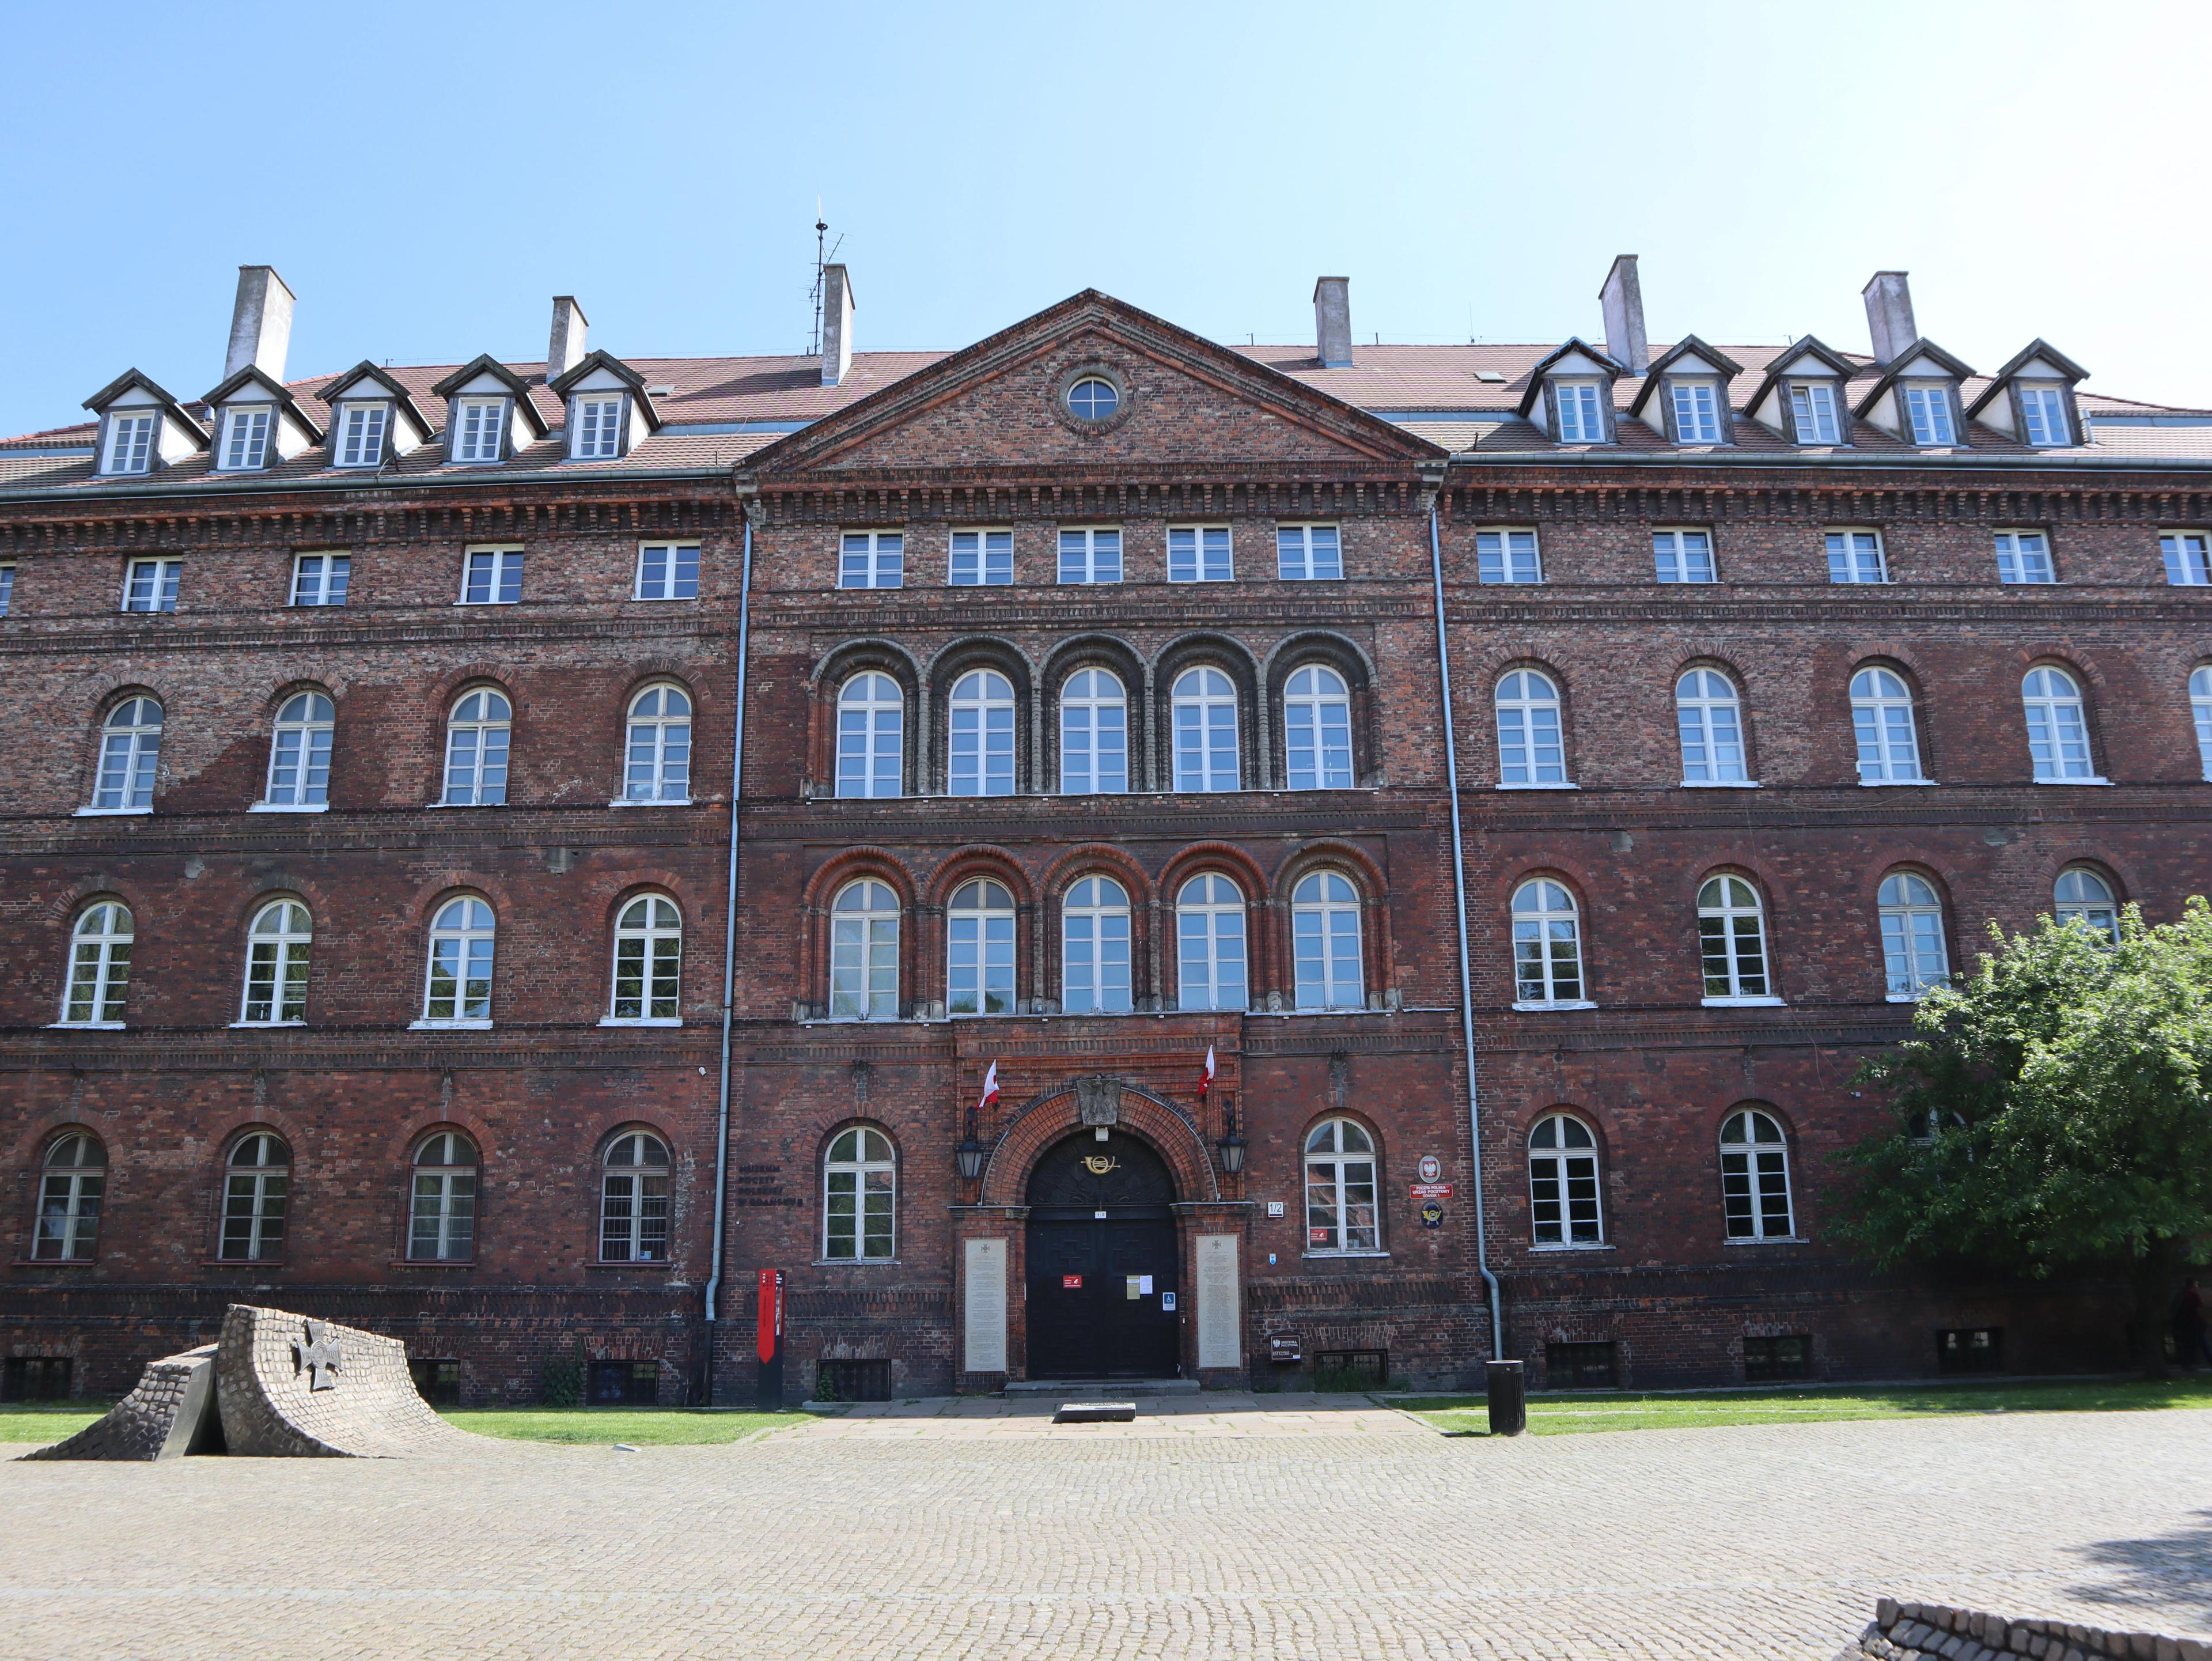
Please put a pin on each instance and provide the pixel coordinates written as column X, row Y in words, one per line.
column 979, row 950
column 1755, row 1179
column 2057, row 728
column 277, row 946
column 1710, row 716
column 2200, row 705
column 1881, row 720
column 659, row 765
column 871, row 736
column 1325, row 940
column 458, row 986
column 71, row 1184
column 864, row 943
column 1912, row 950
column 1732, row 935
column 1094, row 735
column 1529, row 751
column 860, row 1192
column 1094, row 933
column 1209, row 945
column 1341, row 1214
column 255, row 1186
column 476, row 737
column 1204, row 705
column 98, row 965
column 2084, row 895
column 648, row 961
column 1563, row 1190
column 1317, row 730
column 299, row 752
column 1547, row 945
column 634, row 1200
column 441, row 1218
column 982, row 728
column 129, row 753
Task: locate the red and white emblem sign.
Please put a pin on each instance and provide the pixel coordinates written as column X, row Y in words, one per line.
column 1431, row 1167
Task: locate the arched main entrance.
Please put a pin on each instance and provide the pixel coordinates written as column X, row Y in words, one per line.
column 1102, row 1257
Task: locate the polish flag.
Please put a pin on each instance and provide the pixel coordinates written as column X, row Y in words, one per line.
column 1205, row 1077
column 990, row 1087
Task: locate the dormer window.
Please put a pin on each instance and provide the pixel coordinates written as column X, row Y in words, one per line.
column 1582, row 419
column 597, row 428
column 479, row 428
column 361, row 428
column 245, row 440
column 1696, row 405
column 1927, row 412
column 2042, row 416
column 129, row 444
column 1812, row 411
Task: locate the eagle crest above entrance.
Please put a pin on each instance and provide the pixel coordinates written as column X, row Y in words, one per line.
column 1037, row 395
column 1098, row 1099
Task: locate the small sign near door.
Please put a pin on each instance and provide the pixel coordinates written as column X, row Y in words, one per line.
column 1432, row 1190
column 1431, row 1167
column 1071, row 1283
column 1167, row 1301
column 1141, row 1286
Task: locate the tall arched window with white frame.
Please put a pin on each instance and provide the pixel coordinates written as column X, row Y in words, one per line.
column 1882, row 723
column 1755, row 1179
column 1732, row 940
column 648, row 981
column 1914, row 958
column 456, row 991
column 441, row 1210
column 129, row 757
column 2084, row 896
column 72, row 1185
column 859, row 1198
column 1210, row 970
column 1563, row 1186
column 2057, row 727
column 98, row 965
column 1530, row 749
column 979, row 950
column 256, row 1197
column 864, row 948
column 1317, row 730
column 980, row 761
column 1342, row 1215
column 1094, row 933
column 871, row 736
column 477, row 736
column 1709, row 713
column 299, row 752
column 277, row 943
column 1094, row 735
column 2200, row 707
column 1203, row 703
column 1548, row 946
column 1328, row 973
column 634, row 1200
column 657, row 761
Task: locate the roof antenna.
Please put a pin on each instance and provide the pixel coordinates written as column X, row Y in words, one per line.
column 822, row 257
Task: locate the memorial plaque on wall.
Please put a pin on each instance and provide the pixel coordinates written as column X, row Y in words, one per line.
column 1218, row 1319
column 986, row 1297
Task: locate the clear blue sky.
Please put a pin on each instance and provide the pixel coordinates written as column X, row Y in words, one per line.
column 426, row 176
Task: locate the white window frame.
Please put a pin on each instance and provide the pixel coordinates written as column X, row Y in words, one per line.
column 2200, row 709
column 1090, row 553
column 1317, row 726
column 2043, row 407
column 1210, row 929
column 1931, row 418
column 442, row 1191
column 1746, row 965
column 1085, row 731
column 131, row 445
column 276, row 989
column 871, row 737
column 1856, row 556
column 864, row 952
column 298, row 778
column 1531, row 728
column 1702, row 422
column 1755, row 1170
column 1338, row 1169
column 70, row 1197
column 1200, row 717
column 2057, row 723
column 2024, row 558
column 504, row 559
column 872, row 559
column 1699, row 723
column 1915, row 956
column 980, row 557
column 869, row 1180
column 330, row 584
column 466, row 948
column 1581, row 408
column 249, row 432
column 481, row 429
column 676, row 570
column 646, row 987
column 1684, row 554
column 634, row 1199
column 1098, row 932
column 1886, row 727
column 598, row 426
column 657, row 748
column 1201, row 553
column 1324, row 922
column 1813, row 405
column 1547, row 948
column 360, row 433
column 488, row 733
column 159, row 578
column 98, row 977
column 258, row 1193
column 7, row 587
column 980, row 950
column 1311, row 552
column 982, row 748
column 1563, row 1180
column 2099, row 909
column 1508, row 554
column 130, row 759
column 2188, row 558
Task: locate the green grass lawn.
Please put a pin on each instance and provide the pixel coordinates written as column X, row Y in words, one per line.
column 1571, row 1416
column 49, row 1421
column 46, row 1421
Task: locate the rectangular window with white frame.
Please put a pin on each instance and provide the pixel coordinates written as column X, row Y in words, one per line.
column 361, row 428
column 2042, row 416
column 667, row 570
column 480, row 430
column 245, row 440
column 980, row 559
column 1696, row 411
column 1928, row 413
column 320, row 579
column 150, row 585
column 6, row 589
column 129, row 444
column 1091, row 554
column 2188, row 558
column 1813, row 412
column 1856, row 556
column 2024, row 556
column 1581, row 418
column 1683, row 555
column 1200, row 553
column 598, row 436
column 493, row 577
column 872, row 559
column 1507, row 557
column 1309, row 553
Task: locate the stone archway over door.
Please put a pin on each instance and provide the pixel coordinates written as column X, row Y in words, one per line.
column 1103, row 1256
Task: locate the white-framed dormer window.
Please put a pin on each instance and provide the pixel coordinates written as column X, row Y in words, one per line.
column 361, row 428
column 1199, row 553
column 980, row 559
column 2042, row 416
column 245, row 439
column 1309, row 553
column 151, row 585
column 2188, row 558
column 1928, row 413
column 1813, row 412
column 1507, row 557
column 1582, row 418
column 598, row 436
column 2024, row 556
column 872, row 559
column 1091, row 554
column 321, row 579
column 480, row 430
column 492, row 576
column 667, row 570
column 129, row 444
column 1856, row 556
column 1683, row 555
column 1696, row 411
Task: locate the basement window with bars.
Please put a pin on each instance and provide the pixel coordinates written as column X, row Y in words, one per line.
column 438, row 1383
column 1772, row 1360
column 1970, row 1350
column 1580, row 1367
column 1351, row 1369
column 624, row 1384
column 853, row 1381
column 34, row 1378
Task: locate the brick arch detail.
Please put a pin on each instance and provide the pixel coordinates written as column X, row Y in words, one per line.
column 982, row 861
column 1043, row 1121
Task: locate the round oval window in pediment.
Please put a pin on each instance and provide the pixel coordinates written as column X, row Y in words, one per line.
column 1094, row 398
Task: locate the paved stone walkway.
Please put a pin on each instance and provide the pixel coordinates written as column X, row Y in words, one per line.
column 1300, row 1530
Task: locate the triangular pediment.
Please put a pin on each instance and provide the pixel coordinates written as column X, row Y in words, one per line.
column 1005, row 404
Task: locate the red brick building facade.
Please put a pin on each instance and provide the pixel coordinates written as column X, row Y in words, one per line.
column 370, row 955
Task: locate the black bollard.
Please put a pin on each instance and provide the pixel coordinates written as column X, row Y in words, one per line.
column 1509, row 1397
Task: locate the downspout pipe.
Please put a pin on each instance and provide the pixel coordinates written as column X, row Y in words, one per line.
column 1459, row 898
column 730, row 947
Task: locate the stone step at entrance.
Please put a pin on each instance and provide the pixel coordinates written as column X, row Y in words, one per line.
column 1072, row 1390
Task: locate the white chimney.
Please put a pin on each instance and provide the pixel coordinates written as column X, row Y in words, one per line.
column 260, row 322
column 1889, row 316
column 565, row 350
column 836, row 325
column 1622, row 297
column 1333, row 322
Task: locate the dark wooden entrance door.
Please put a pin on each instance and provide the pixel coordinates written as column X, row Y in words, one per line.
column 1102, row 1262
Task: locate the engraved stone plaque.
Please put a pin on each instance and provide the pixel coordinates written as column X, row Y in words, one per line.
column 1219, row 1318
column 985, row 1263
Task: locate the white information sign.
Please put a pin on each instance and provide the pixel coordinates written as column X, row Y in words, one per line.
column 1219, row 1317
column 985, row 1292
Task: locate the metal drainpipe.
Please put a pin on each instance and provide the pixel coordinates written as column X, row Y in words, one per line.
column 1459, row 898
column 730, row 951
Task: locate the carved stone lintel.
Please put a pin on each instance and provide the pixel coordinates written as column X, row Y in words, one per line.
column 1098, row 1099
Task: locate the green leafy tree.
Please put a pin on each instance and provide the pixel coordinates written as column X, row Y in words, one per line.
column 2054, row 1112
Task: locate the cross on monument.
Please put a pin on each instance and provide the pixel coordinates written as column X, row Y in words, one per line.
column 317, row 1350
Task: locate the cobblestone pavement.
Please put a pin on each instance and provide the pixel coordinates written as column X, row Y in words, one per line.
column 1281, row 1533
